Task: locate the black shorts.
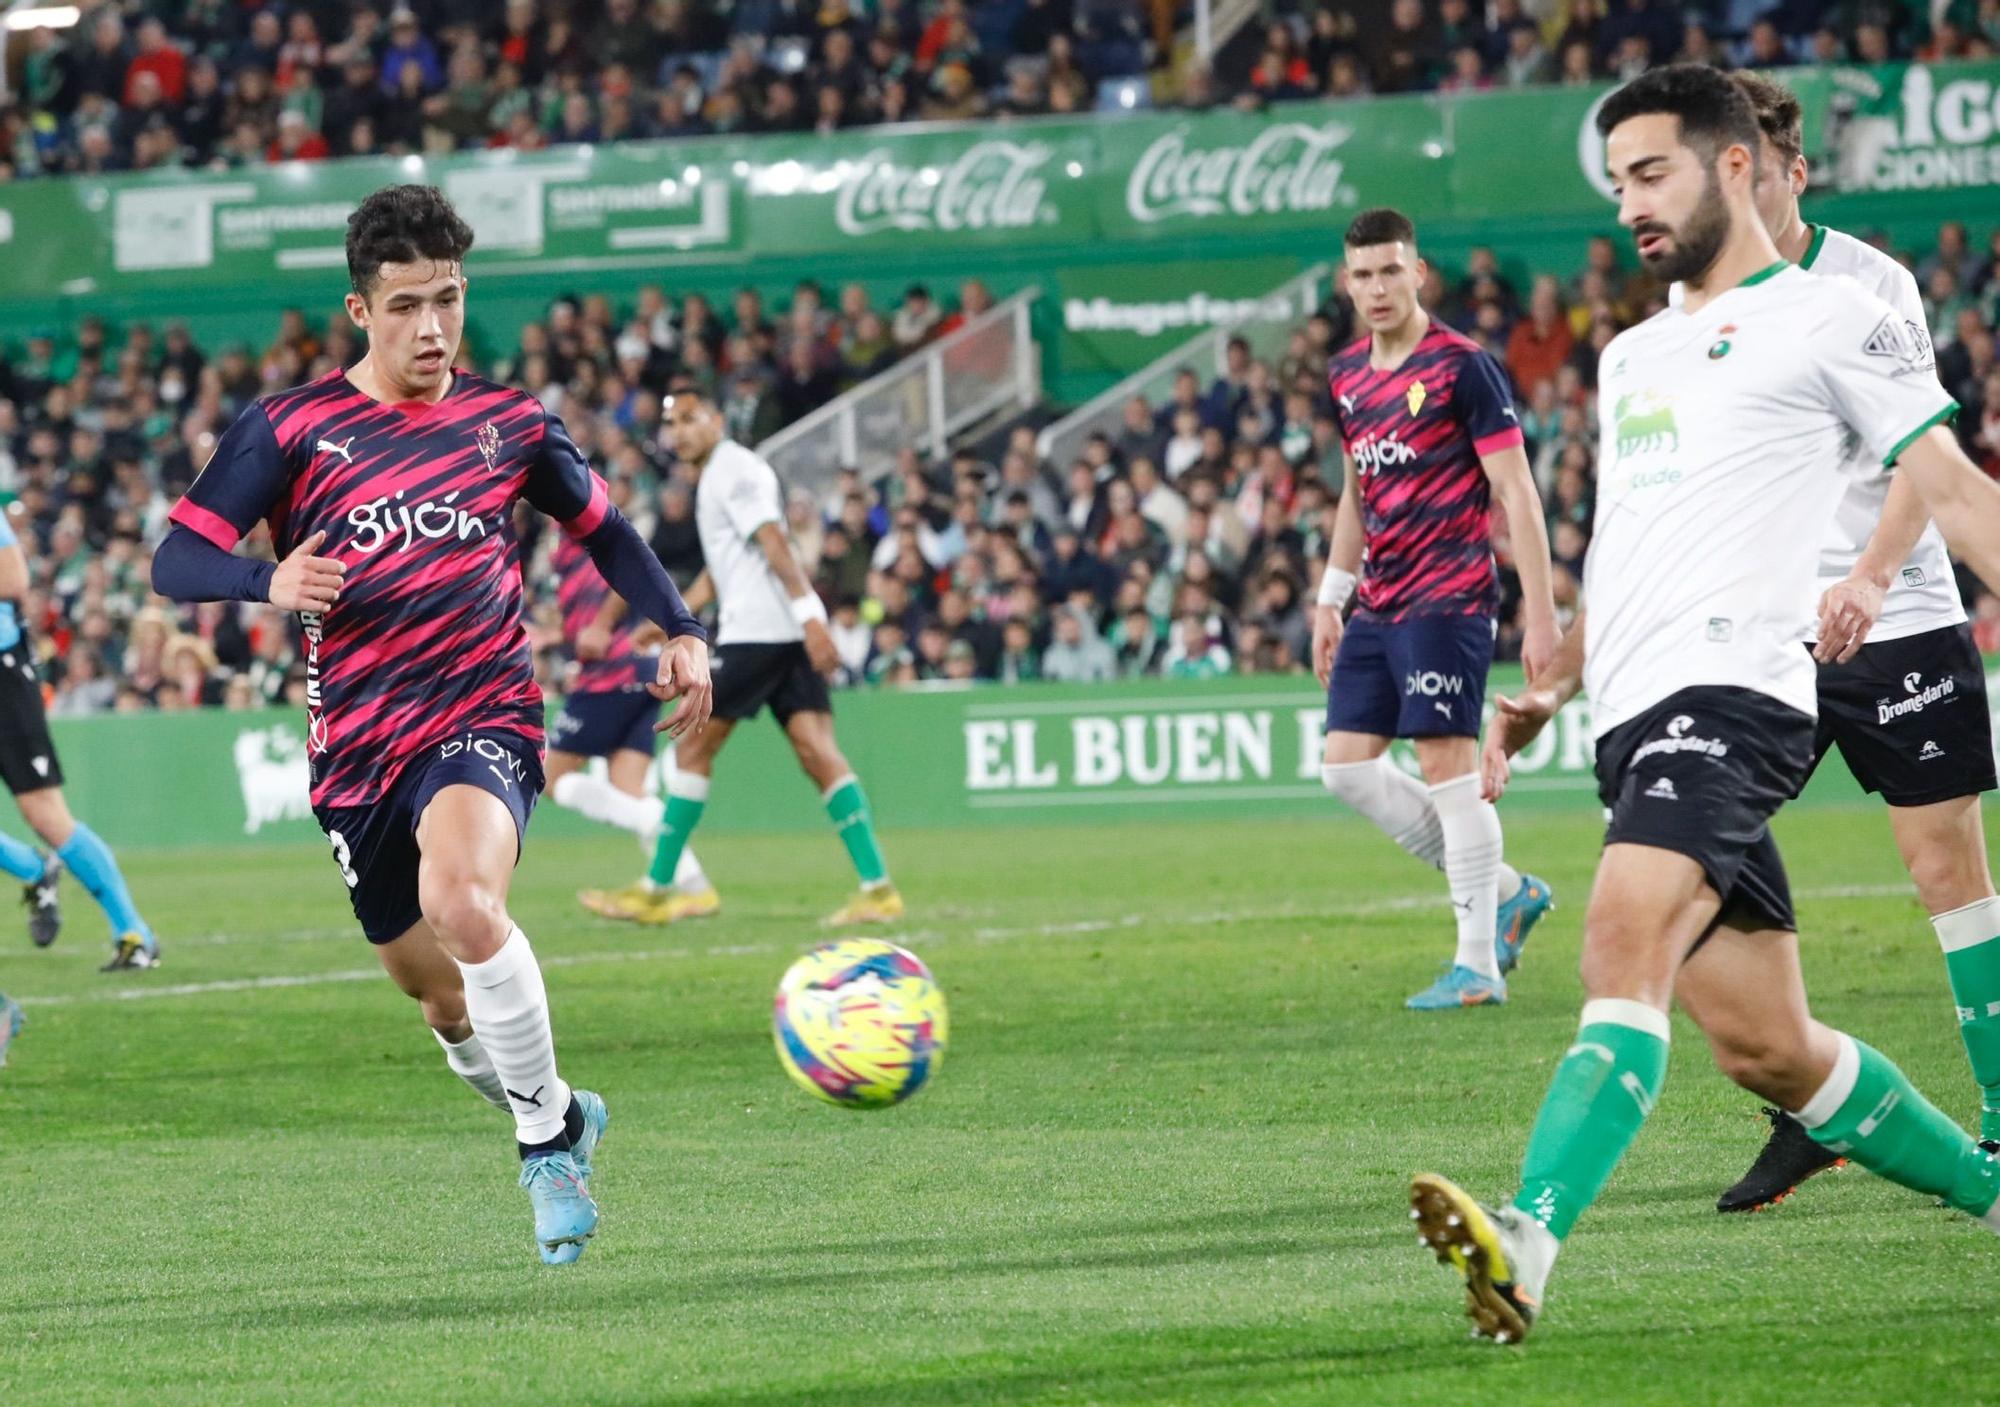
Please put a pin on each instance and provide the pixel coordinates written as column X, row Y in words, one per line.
column 1424, row 677
column 749, row 676
column 1910, row 718
column 1701, row 773
column 27, row 754
column 375, row 845
column 608, row 721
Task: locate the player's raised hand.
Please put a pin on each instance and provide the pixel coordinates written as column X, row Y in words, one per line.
column 304, row 582
column 1848, row 610
column 593, row 642
column 1326, row 641
column 1516, row 722
column 819, row 647
column 684, row 676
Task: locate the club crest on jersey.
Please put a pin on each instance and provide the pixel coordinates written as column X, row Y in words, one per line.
column 487, row 437
column 1415, row 396
column 1721, row 348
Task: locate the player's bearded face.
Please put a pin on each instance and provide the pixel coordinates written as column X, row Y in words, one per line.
column 1673, row 251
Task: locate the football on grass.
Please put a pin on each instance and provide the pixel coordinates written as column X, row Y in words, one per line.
column 860, row 1023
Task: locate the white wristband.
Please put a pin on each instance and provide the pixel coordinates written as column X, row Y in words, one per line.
column 808, row 608
column 1336, row 588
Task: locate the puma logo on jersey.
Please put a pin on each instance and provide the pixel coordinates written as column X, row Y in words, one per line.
column 341, row 449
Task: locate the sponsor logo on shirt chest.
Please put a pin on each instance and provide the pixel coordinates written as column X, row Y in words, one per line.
column 1377, row 453
column 389, row 519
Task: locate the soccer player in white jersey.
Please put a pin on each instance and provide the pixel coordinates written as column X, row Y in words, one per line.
column 773, row 650
column 1728, row 436
column 1902, row 689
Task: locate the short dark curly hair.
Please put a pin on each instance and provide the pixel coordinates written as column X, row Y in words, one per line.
column 1714, row 112
column 401, row 225
column 1779, row 112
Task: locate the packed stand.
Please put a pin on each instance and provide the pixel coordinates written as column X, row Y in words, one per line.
column 1186, row 545
column 218, row 84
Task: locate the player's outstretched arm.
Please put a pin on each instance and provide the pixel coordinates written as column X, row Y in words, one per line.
column 807, row 609
column 1342, row 575
column 1965, row 503
column 1514, row 486
column 1850, row 607
column 189, row 567
column 1518, row 720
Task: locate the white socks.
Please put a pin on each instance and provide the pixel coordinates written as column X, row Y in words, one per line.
column 596, row 799
column 689, row 876
column 1397, row 804
column 1471, row 861
column 468, row 1061
column 509, row 1010
column 1403, row 809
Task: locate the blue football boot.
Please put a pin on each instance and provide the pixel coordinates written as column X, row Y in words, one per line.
column 1517, row 918
column 1460, row 986
column 596, row 1119
column 565, row 1215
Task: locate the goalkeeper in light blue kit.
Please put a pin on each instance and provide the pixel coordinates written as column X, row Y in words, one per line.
column 29, row 767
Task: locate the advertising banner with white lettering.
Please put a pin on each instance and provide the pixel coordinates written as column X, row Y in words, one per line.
column 979, row 756
column 1119, row 316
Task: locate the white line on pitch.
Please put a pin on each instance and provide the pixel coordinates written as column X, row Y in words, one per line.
column 1080, row 928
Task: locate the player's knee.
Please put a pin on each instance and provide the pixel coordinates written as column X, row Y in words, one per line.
column 465, row 911
column 1359, row 784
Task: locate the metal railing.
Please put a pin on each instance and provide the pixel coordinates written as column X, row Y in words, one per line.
column 921, row 402
column 1280, row 312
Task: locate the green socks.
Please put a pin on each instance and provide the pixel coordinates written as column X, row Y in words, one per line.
column 1601, row 1094
column 1868, row 1110
column 1970, row 938
column 847, row 808
column 687, row 798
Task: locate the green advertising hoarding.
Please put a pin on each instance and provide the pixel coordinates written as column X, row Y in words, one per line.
column 1172, row 206
column 1109, row 754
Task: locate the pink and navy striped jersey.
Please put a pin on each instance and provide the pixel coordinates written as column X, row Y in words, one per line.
column 580, row 592
column 417, row 499
column 1416, row 434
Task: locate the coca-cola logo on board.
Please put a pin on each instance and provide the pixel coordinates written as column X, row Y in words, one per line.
column 996, row 185
column 1289, row 168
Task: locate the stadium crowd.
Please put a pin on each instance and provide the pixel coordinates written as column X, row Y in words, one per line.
column 1183, row 545
column 146, row 84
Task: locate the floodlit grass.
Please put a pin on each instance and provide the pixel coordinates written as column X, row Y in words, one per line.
column 1163, row 1161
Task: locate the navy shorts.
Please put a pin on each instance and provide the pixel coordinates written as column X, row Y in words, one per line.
column 1424, row 677
column 599, row 724
column 375, row 845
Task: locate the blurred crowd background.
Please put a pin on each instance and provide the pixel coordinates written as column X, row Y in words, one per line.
column 1185, row 544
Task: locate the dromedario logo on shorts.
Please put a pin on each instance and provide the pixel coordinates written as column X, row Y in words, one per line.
column 1918, row 696
column 995, row 185
column 1291, row 168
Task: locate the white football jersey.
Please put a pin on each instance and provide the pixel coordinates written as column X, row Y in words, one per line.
column 1923, row 594
column 738, row 493
column 1727, row 440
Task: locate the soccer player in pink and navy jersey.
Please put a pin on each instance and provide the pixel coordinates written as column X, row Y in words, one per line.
column 1432, row 439
column 424, row 721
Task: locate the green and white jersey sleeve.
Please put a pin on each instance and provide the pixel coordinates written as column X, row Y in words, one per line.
column 738, row 494
column 1923, row 594
column 1727, row 440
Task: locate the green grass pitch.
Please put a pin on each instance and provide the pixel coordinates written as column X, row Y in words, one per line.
column 1163, row 1161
